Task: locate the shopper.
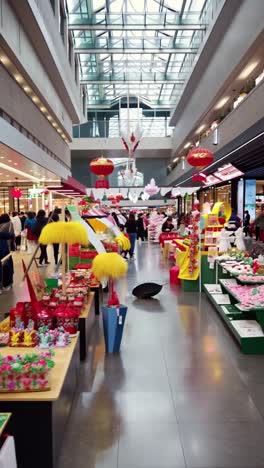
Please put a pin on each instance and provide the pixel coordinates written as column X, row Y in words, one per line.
column 146, row 224
column 168, row 225
column 124, row 252
column 234, row 222
column 6, row 236
column 54, row 218
column 140, row 227
column 32, row 239
column 23, row 218
column 41, row 221
column 17, row 229
column 259, row 223
column 131, row 229
column 247, row 223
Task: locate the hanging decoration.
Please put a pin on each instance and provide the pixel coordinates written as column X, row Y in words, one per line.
column 151, row 188
column 101, row 167
column 131, row 141
column 16, row 192
column 200, row 158
column 199, row 177
column 115, row 199
column 194, row 242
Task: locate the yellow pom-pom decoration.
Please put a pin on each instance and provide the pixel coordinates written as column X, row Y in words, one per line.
column 109, row 265
column 123, row 241
column 62, row 232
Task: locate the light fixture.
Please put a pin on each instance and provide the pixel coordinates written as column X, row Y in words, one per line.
column 17, row 171
column 2, row 157
column 43, row 109
column 18, row 77
column 15, row 164
column 222, row 102
column 200, row 129
column 49, row 117
column 59, row 130
column 26, row 88
column 187, row 145
column 55, row 124
column 247, row 70
column 9, row 160
column 35, row 99
column 175, row 160
column 4, row 59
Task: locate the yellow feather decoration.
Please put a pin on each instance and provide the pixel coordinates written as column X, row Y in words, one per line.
column 109, row 265
column 61, row 232
column 123, row 241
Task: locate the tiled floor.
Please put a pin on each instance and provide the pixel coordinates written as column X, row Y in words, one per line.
column 179, row 394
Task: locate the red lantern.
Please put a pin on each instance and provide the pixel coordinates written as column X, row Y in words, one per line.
column 101, row 167
column 200, row 158
column 119, row 197
column 16, row 192
column 199, row 177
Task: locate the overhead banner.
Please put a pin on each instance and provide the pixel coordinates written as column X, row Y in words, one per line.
column 250, row 197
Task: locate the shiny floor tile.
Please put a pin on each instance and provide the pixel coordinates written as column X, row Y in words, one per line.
column 226, row 445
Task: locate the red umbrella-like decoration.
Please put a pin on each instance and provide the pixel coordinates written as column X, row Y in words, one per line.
column 102, row 167
column 200, row 158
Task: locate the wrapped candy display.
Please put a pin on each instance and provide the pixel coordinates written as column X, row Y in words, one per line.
column 68, row 318
column 28, row 373
column 248, row 296
column 57, row 338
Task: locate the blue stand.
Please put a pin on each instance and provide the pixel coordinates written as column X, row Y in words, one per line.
column 113, row 322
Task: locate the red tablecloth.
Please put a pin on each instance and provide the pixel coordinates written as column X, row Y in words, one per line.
column 167, row 236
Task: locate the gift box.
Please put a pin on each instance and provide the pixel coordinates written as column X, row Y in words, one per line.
column 68, row 318
column 26, row 373
column 45, row 319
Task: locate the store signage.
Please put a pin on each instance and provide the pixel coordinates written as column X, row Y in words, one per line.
column 227, row 172
column 250, row 197
column 240, row 199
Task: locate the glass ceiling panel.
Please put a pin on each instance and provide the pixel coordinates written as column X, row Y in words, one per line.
column 167, row 35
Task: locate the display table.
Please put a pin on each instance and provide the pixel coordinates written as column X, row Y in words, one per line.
column 167, row 236
column 39, row 418
column 86, row 321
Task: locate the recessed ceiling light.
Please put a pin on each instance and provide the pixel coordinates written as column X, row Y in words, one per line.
column 55, row 124
column 59, row 130
column 49, row 117
column 222, row 102
column 35, row 99
column 247, row 70
column 175, row 160
column 1, row 173
column 9, row 160
column 15, row 164
column 43, row 109
column 18, row 77
column 26, row 88
column 2, row 157
column 4, row 59
column 187, row 145
column 200, row 129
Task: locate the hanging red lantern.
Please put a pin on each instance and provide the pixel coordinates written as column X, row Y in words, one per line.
column 200, row 158
column 102, row 167
column 119, row 197
column 16, row 192
column 199, row 177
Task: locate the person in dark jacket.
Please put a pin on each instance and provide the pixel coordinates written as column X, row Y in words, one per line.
column 247, row 223
column 131, row 229
column 6, row 235
column 168, row 226
column 54, row 218
column 41, row 221
column 140, row 227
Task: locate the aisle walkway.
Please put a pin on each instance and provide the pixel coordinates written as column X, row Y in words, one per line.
column 180, row 394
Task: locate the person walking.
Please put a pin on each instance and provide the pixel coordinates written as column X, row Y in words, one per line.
column 247, row 223
column 32, row 238
column 17, row 229
column 41, row 221
column 6, row 236
column 54, row 218
column 168, row 225
column 131, row 229
column 140, row 228
column 259, row 223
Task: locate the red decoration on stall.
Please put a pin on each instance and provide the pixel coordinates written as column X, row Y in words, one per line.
column 16, row 192
column 199, row 177
column 200, row 158
column 102, row 167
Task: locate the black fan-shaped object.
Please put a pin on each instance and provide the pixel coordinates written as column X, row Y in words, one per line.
column 146, row 290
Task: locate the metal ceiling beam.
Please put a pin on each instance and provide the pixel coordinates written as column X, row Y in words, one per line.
column 135, row 50
column 136, row 27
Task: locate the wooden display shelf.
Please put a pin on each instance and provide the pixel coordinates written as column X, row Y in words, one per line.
column 39, row 419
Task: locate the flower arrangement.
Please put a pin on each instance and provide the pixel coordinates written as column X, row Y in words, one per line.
column 25, row 373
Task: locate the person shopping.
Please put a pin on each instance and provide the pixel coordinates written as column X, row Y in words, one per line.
column 247, row 223
column 259, row 223
column 54, row 218
column 32, row 238
column 17, row 229
column 131, row 229
column 6, row 236
column 168, row 226
column 41, row 221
